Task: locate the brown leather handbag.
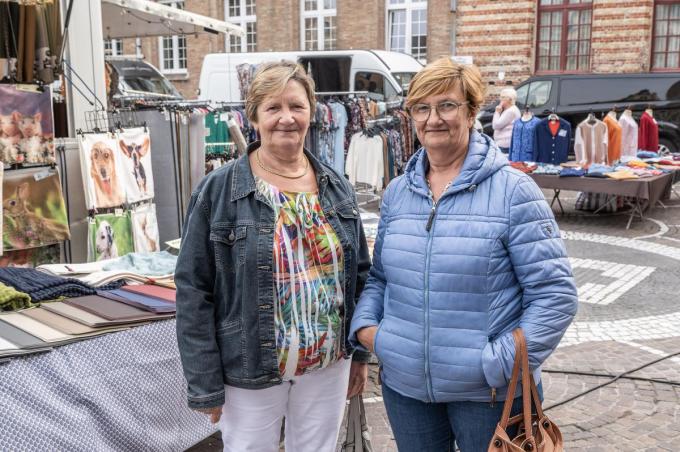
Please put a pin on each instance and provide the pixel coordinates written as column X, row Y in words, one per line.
column 536, row 432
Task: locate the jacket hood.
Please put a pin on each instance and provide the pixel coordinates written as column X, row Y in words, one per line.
column 482, row 161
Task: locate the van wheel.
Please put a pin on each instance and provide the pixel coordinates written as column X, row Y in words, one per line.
column 666, row 147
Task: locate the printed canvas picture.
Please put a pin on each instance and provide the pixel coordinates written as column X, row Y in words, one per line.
column 33, row 209
column 31, row 258
column 110, row 236
column 135, row 156
column 26, row 125
column 145, row 229
column 101, row 165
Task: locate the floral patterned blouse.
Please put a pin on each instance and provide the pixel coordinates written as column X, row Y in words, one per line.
column 308, row 276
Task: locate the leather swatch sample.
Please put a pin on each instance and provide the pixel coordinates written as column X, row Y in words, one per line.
column 19, row 337
column 66, row 325
column 113, row 310
column 140, row 301
column 81, row 316
column 152, row 291
column 36, row 328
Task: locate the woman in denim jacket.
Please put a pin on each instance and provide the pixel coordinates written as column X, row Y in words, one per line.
column 273, row 257
column 467, row 250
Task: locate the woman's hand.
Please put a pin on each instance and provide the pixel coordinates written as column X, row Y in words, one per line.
column 215, row 413
column 367, row 337
column 358, row 375
column 499, row 109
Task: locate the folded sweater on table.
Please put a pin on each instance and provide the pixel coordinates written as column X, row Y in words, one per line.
column 41, row 286
column 11, row 299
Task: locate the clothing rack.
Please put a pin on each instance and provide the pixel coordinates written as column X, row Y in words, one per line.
column 340, row 93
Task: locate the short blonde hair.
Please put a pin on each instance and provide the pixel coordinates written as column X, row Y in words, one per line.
column 510, row 93
column 443, row 75
column 271, row 78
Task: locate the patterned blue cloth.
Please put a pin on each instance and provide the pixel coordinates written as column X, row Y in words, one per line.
column 523, row 142
column 552, row 148
column 147, row 264
column 338, row 129
column 41, row 286
column 572, row 172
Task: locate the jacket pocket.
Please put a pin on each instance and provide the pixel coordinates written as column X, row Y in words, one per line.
column 229, row 340
column 229, row 244
column 375, row 340
column 349, row 218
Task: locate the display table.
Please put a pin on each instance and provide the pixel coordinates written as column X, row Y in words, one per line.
column 123, row 391
column 645, row 192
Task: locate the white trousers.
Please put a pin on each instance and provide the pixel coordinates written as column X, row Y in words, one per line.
column 313, row 405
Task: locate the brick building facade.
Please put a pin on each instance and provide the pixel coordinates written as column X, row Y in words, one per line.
column 519, row 38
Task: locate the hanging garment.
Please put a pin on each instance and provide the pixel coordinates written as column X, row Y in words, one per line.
column 110, row 236
column 145, row 229
column 629, row 135
column 523, row 141
column 553, row 139
column 365, row 163
column 614, row 137
column 590, row 144
column 101, row 168
column 339, row 125
column 197, row 148
column 43, row 58
column 34, row 212
column 648, row 133
column 216, row 133
column 134, row 153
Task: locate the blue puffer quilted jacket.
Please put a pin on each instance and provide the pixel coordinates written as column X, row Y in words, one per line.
column 446, row 298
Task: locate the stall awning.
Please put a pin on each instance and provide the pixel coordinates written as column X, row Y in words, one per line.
column 141, row 18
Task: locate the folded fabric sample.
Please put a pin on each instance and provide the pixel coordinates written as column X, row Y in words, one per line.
column 525, row 167
column 547, row 169
column 646, row 154
column 140, row 301
column 38, row 329
column 71, row 269
column 148, row 264
column 66, row 325
column 8, row 348
column 622, row 175
column 113, row 310
column 82, row 316
column 11, row 299
column 41, row 286
column 152, row 291
column 105, row 277
column 19, row 337
column 572, row 172
column 637, row 164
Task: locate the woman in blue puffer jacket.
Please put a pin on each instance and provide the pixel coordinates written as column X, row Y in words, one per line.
column 467, row 250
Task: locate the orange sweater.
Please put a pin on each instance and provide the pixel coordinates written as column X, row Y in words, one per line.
column 614, row 133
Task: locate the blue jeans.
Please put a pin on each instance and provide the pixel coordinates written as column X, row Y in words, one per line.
column 434, row 427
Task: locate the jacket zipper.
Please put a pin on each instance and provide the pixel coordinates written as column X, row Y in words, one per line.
column 428, row 227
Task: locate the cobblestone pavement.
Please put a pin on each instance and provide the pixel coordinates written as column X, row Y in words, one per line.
column 629, row 316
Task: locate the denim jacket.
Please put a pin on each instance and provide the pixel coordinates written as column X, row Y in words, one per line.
column 225, row 296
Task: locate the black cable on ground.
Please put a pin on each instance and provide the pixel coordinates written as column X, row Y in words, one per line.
column 607, row 383
column 624, row 377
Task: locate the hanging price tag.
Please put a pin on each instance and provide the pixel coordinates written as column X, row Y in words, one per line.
column 118, row 212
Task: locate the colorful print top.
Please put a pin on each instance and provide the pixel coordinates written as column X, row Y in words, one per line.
column 308, row 283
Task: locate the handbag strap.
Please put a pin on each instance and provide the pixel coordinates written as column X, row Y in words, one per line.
column 512, row 387
column 526, row 385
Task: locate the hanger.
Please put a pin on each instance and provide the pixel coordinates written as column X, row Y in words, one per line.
column 591, row 118
column 553, row 116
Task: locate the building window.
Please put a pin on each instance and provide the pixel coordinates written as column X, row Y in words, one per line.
column 666, row 44
column 407, row 27
column 242, row 13
column 113, row 47
column 318, row 23
column 564, row 35
column 172, row 50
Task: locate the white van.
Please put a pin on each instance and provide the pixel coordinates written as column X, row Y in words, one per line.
column 385, row 75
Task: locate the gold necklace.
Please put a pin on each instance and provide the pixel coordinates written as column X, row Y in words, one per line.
column 261, row 165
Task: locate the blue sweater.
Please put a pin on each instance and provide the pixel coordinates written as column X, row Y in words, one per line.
column 447, row 299
column 523, row 142
column 551, row 148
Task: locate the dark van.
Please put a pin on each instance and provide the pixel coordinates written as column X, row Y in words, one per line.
column 573, row 96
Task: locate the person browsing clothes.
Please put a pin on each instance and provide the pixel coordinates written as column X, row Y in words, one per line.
column 505, row 115
column 273, row 257
column 467, row 250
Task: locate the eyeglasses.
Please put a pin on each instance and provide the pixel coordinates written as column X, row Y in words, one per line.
column 446, row 110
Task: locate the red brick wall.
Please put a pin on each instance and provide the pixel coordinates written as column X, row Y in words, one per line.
column 440, row 22
column 361, row 24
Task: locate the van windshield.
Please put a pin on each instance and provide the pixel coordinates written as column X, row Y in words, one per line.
column 149, row 85
column 404, row 79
